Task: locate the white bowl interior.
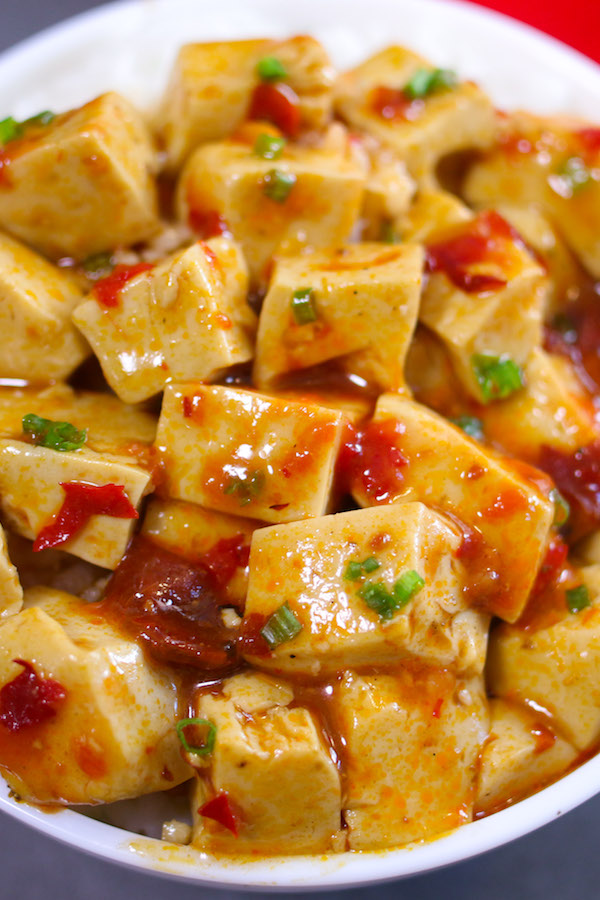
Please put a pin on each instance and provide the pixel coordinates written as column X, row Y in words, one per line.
column 129, row 47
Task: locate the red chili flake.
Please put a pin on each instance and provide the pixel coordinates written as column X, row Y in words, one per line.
column 106, row 290
column 372, row 461
column 219, row 809
column 207, row 223
column 487, row 238
column 28, row 699
column 82, row 501
column 276, row 103
column 437, row 709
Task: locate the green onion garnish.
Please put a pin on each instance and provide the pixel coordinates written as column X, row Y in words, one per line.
column 497, row 376
column 425, row 82
column 562, row 509
column 574, row 174
column 303, row 308
column 577, row 598
column 209, row 743
column 388, row 234
column 356, row 569
column 270, row 69
column 281, row 627
column 277, row 185
column 98, row 266
column 471, row 425
column 9, row 130
column 247, row 488
column 268, row 147
column 384, row 602
column 41, row 119
column 54, row 435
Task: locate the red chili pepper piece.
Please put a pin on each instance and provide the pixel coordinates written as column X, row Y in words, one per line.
column 219, row 809
column 225, row 557
column 393, row 104
column 82, row 501
column 276, row 103
column 207, row 223
column 106, row 290
column 28, row 699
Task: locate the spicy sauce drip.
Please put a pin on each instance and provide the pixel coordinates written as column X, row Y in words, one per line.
column 371, row 461
column 577, row 476
column 276, row 103
column 394, row 105
column 106, row 290
column 575, row 333
column 82, row 501
column 220, row 810
column 547, row 602
column 486, row 239
column 207, row 223
column 172, row 606
column 29, row 699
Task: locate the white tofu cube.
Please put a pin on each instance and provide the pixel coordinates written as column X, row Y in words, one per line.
column 360, row 302
column 212, row 84
column 11, row 592
column 521, row 755
column 82, row 184
column 36, row 300
column 247, row 454
column 432, row 211
column 555, row 667
column 308, row 566
column 507, row 520
column 277, row 772
column 412, row 743
column 304, row 198
column 371, row 98
column 111, row 735
column 31, row 495
column 184, row 320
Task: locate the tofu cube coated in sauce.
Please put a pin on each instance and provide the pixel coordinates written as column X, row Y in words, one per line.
column 360, row 302
column 247, row 454
column 82, row 184
column 102, row 725
column 11, row 592
column 186, row 319
column 368, row 587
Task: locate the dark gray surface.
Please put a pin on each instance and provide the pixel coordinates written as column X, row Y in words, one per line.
column 559, row 862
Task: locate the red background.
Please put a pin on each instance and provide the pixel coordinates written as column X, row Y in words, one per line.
column 575, row 22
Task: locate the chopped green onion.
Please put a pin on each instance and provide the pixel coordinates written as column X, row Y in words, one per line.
column 41, row 119
column 471, row 425
column 281, row 627
column 209, row 743
column 409, row 584
column 54, row 435
column 267, row 146
column 389, row 235
column 247, row 488
column 498, row 376
column 303, row 307
column 356, row 569
column 577, row 598
column 269, row 68
column 9, row 130
column 277, row 185
column 562, row 509
column 98, row 265
column 575, row 174
column 425, row 82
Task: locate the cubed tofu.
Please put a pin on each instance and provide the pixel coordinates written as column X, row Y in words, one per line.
column 552, row 410
column 204, row 535
column 421, row 132
column 111, row 426
column 433, row 210
column 430, row 375
column 550, row 163
column 507, row 517
column 36, row 300
column 305, row 564
column 247, row 454
column 557, row 668
column 363, row 305
column 11, row 592
column 31, row 495
column 211, row 86
column 502, row 318
column 354, row 406
column 521, row 755
column 411, row 747
column 318, row 195
column 277, row 772
column 113, row 735
column 82, row 184
column 388, row 193
column 184, row 320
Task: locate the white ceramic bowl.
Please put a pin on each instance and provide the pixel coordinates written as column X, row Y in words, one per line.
column 129, row 47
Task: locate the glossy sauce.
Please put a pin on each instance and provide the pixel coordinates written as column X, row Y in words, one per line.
column 393, row 105
column 371, row 461
column 29, row 699
column 278, row 104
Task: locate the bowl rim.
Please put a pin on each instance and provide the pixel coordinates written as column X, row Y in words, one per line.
column 350, row 869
